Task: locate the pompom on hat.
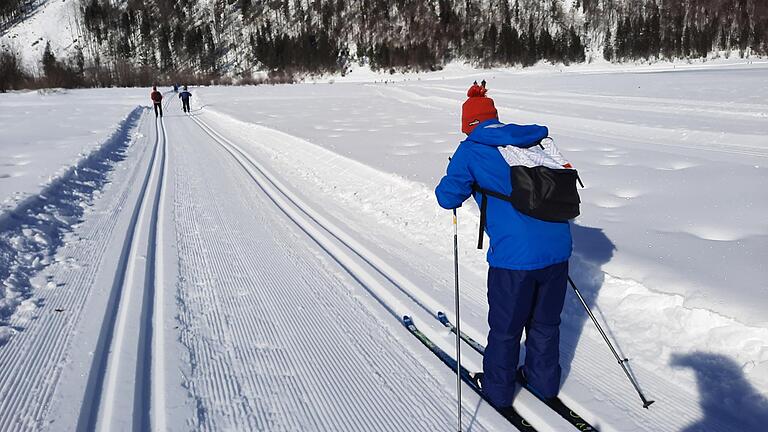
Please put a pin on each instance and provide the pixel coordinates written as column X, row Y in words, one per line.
column 477, row 108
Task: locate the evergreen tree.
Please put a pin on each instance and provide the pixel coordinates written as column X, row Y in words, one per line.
column 608, row 52
column 11, row 74
column 49, row 60
column 245, row 10
column 166, row 56
column 575, row 47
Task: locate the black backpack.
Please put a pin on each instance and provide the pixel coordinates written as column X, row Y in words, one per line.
column 539, row 191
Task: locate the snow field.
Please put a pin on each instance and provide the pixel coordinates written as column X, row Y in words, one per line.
column 46, row 133
column 31, row 231
column 52, row 158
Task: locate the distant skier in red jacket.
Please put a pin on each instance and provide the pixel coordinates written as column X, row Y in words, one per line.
column 157, row 99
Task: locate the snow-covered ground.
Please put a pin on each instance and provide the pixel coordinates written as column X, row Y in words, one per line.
column 45, row 133
column 245, row 267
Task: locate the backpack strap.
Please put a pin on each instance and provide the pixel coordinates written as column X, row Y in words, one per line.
column 484, row 193
column 483, row 207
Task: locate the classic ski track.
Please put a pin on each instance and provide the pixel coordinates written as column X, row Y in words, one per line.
column 157, row 392
column 31, row 376
column 613, row 389
column 120, row 340
column 265, row 358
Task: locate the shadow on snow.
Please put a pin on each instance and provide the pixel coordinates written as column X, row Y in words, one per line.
column 591, row 249
column 32, row 232
column 725, row 395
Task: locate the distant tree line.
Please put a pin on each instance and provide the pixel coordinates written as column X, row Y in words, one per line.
column 681, row 29
column 137, row 41
column 68, row 73
column 316, row 36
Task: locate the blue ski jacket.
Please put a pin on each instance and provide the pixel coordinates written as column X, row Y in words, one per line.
column 185, row 95
column 518, row 241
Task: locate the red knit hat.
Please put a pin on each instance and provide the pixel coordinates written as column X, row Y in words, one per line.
column 477, row 109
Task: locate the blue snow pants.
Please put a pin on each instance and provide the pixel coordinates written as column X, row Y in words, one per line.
column 518, row 300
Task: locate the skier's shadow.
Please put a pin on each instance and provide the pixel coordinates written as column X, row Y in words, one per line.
column 727, row 399
column 591, row 250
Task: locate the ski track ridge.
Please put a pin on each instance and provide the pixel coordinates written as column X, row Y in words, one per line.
column 119, row 340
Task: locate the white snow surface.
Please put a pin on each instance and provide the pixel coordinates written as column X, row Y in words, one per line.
column 268, row 242
column 47, row 132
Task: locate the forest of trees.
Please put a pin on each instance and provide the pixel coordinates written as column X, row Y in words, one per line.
column 130, row 42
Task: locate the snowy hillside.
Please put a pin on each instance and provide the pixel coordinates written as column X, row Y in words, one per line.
column 248, row 266
column 56, row 21
column 107, row 43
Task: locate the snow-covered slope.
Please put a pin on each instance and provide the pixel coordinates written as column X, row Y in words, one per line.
column 57, row 22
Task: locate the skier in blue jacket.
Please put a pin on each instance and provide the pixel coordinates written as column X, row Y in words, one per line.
column 528, row 257
column 185, row 96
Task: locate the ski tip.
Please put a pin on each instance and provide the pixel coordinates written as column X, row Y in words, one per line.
column 646, row 404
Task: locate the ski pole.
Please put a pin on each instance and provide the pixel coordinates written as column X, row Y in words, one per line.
column 458, row 321
column 622, row 361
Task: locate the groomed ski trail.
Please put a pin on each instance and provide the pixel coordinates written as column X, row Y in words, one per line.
column 118, row 393
column 280, row 334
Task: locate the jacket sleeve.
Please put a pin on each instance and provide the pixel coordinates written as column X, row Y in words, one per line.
column 456, row 186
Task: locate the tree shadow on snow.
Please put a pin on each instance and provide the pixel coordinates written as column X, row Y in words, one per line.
column 591, row 250
column 727, row 399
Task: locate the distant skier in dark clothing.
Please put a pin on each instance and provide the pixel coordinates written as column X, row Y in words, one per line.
column 184, row 96
column 157, row 101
